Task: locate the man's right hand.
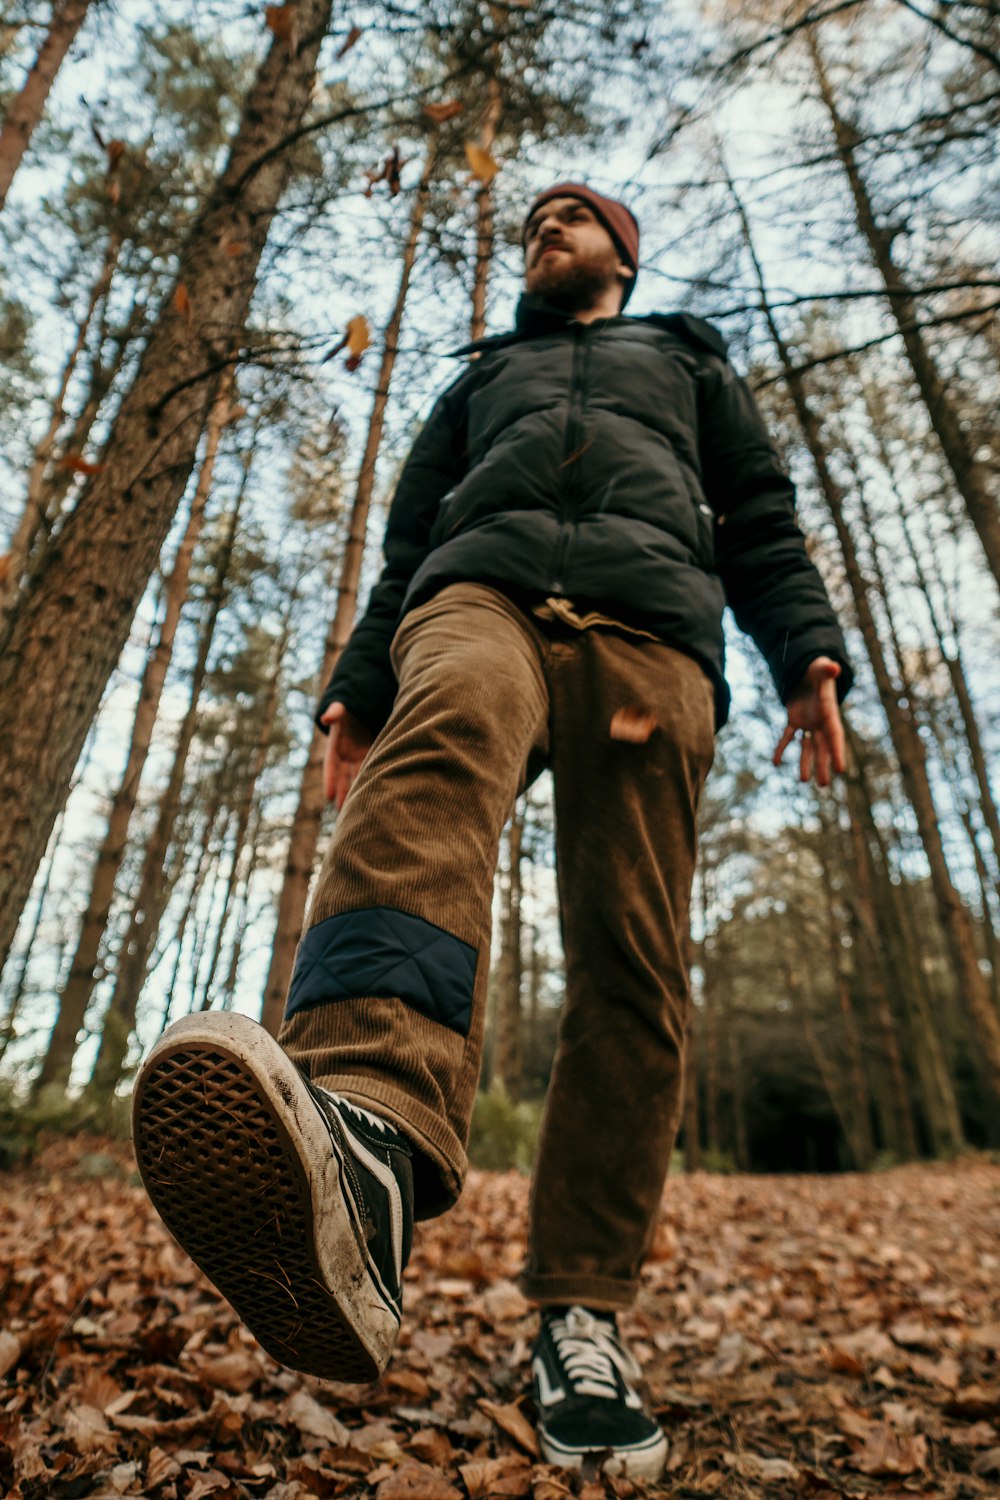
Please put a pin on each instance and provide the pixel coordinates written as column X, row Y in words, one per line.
column 348, row 744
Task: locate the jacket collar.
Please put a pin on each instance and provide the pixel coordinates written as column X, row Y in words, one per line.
column 535, row 317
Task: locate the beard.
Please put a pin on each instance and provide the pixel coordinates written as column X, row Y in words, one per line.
column 572, row 285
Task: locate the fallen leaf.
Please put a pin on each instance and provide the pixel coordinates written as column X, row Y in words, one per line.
column 304, row 1412
column 511, row 1420
column 417, row 1482
column 752, row 1466
column 987, row 1464
column 10, row 1344
column 889, row 1452
column 510, row 1475
column 633, row 725
column 484, row 168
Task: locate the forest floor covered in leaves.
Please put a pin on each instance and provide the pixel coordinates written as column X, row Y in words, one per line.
column 816, row 1336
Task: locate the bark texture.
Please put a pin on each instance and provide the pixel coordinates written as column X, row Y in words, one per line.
column 304, row 838
column 26, row 109
column 70, row 631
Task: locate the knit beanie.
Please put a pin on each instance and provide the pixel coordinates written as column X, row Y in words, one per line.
column 619, row 221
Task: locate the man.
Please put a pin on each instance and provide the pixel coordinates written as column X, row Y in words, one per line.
column 581, row 504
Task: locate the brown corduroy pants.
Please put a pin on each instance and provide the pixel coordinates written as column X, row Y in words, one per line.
column 483, row 689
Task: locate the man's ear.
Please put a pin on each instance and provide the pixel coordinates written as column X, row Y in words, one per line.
column 625, row 275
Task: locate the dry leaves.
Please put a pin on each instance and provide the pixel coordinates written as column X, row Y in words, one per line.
column 803, row 1337
column 633, row 725
column 446, row 110
column 482, row 164
column 75, row 463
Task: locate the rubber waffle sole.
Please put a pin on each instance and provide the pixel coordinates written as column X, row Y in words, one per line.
column 226, row 1178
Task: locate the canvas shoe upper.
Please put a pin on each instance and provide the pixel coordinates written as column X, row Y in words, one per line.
column 297, row 1204
column 584, row 1384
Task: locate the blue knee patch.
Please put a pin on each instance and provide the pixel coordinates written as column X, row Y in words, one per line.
column 380, row 952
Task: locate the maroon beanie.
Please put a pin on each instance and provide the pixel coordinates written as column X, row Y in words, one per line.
column 617, row 219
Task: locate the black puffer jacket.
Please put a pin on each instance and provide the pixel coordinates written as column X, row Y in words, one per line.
column 621, row 463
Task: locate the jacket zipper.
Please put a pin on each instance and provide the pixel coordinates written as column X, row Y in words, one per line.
column 574, row 438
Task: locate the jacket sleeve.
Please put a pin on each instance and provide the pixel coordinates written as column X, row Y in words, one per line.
column 363, row 679
column 773, row 588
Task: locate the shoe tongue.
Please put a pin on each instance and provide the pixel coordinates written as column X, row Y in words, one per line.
column 586, row 1320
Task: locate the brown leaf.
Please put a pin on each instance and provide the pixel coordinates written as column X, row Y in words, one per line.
column 236, row 1371
column 974, row 1402
column 416, row 1482
column 446, row 110
column 10, row 1344
column 890, row 1452
column 237, row 247
column 304, row 1412
column 510, row 1475
column 431, row 1446
column 351, row 40
column 511, row 1419
column 75, row 463
column 116, row 150
column 633, row 725
column 87, row 1430
column 182, row 301
column 548, row 1484
column 282, row 20
column 483, row 166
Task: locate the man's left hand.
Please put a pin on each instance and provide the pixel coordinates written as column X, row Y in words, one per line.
column 814, row 712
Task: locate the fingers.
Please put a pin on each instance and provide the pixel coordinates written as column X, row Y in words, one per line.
column 806, row 759
column 783, row 744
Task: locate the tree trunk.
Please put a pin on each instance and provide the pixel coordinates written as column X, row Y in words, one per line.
column 14, row 1004
column 36, row 510
column 903, row 956
column 485, row 227
column 972, row 477
column 692, row 1132
column 26, row 109
column 312, row 799
column 248, row 793
column 909, row 747
column 508, row 1059
column 93, row 580
column 154, row 890
column 84, row 971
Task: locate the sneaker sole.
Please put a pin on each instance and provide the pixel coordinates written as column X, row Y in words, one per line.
column 239, row 1164
column 645, row 1461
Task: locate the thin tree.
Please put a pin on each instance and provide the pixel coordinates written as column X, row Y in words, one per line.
column 304, row 836
column 84, row 970
column 26, row 109
column 91, row 585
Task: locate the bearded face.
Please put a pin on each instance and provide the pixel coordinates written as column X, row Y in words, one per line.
column 570, row 258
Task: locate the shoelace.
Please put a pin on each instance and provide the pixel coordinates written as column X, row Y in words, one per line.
column 590, row 1353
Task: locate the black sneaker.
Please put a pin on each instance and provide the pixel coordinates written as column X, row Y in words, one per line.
column 587, row 1405
column 295, row 1203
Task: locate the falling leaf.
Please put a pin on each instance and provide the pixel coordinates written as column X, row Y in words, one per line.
column 634, row 725
column 182, row 301
column 511, row 1420
column 116, row 150
column 359, row 334
column 446, row 110
column 75, row 463
column 282, row 20
column 237, row 247
column 351, row 40
column 484, row 168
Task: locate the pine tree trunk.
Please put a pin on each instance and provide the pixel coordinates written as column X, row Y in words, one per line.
column 27, row 108
column 92, row 583
column 304, row 836
column 899, row 1132
column 692, row 1131
column 14, row 1004
column 37, row 513
column 972, row 477
column 485, row 226
column 801, row 997
column 508, row 1063
column 903, row 951
column 83, row 973
column 247, row 802
column 154, row 891
column 741, row 1151
column 955, row 919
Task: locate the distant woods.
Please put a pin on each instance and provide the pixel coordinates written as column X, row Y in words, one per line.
column 238, row 250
